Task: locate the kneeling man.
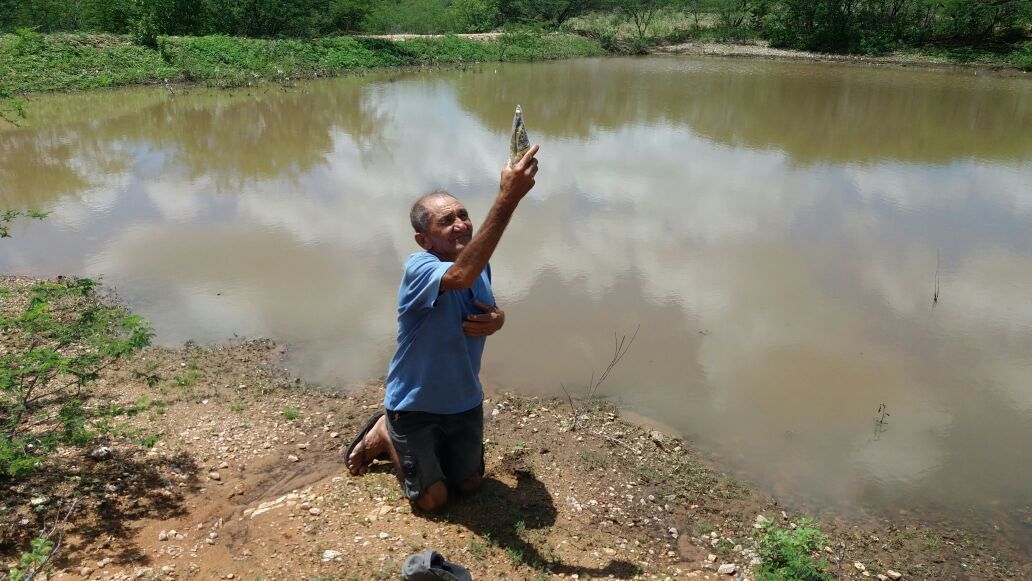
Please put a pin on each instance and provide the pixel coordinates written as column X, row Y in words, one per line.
column 432, row 426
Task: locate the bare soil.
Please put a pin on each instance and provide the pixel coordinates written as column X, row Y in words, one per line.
column 762, row 50
column 246, row 480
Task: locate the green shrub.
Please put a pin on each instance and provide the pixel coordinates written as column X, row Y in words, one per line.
column 788, row 553
column 1022, row 56
column 56, row 347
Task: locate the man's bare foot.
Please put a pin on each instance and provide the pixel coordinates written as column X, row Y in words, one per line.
column 375, row 443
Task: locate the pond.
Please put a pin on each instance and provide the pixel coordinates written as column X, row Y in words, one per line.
column 829, row 266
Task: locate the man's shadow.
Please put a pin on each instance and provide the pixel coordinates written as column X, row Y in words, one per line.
column 509, row 516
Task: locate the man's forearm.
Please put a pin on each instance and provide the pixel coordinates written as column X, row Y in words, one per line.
column 474, row 257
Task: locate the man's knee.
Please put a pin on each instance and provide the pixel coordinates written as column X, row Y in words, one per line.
column 434, row 498
column 472, row 483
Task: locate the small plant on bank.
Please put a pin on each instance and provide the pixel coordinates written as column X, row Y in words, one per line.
column 789, row 553
column 291, row 413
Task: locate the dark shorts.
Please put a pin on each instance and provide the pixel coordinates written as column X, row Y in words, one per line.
column 434, row 447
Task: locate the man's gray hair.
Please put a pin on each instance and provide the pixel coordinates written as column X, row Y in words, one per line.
column 420, row 214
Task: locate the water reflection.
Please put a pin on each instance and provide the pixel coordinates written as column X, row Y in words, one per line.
column 775, row 229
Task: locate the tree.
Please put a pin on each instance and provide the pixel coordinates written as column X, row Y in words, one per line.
column 641, row 12
column 555, row 12
column 732, row 13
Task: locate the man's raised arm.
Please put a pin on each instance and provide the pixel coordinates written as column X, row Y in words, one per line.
column 516, row 181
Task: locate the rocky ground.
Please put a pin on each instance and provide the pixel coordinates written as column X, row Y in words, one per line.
column 243, row 479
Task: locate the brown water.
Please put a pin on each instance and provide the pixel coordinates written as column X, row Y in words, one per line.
column 775, row 229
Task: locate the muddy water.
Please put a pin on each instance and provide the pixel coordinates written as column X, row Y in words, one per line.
column 776, row 230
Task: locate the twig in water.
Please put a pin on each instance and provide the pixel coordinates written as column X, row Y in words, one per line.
column 938, row 264
column 620, row 347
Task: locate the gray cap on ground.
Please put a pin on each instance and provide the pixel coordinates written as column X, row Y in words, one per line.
column 431, row 566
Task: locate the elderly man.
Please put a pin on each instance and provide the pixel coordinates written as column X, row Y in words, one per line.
column 432, row 426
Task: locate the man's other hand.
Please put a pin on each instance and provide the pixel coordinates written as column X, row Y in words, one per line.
column 486, row 323
column 518, row 178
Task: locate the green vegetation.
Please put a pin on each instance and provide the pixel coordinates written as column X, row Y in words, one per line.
column 37, row 62
column 792, row 553
column 291, row 413
column 9, row 216
column 56, row 345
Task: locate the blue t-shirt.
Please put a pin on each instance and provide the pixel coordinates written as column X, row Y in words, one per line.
column 437, row 366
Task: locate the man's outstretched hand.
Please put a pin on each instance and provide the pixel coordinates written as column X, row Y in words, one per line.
column 486, row 323
column 518, row 178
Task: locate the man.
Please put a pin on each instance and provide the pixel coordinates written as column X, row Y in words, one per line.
column 432, row 426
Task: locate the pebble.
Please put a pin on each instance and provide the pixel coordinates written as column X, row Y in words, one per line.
column 859, row 566
column 101, row 453
column 330, row 555
column 383, row 535
column 883, row 577
column 214, row 475
column 334, row 434
column 894, row 574
column 163, row 536
column 727, row 569
column 315, row 511
column 223, row 465
column 711, row 557
column 104, row 562
column 293, row 458
column 36, row 501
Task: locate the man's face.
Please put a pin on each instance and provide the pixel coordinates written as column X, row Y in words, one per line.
column 450, row 229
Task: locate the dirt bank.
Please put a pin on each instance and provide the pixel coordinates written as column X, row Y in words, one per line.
column 762, row 50
column 244, row 479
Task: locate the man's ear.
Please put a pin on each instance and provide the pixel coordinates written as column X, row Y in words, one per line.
column 423, row 241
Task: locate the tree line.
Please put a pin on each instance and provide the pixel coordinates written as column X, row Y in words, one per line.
column 849, row 26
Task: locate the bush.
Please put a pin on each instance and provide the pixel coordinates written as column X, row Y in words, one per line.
column 55, row 347
column 1022, row 56
column 788, row 554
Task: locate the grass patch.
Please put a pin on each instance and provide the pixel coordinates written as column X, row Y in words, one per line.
column 61, row 62
column 291, row 413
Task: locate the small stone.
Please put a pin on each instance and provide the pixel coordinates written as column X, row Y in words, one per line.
column 223, row 465
column 673, row 532
column 303, row 446
column 711, row 557
column 330, row 555
column 101, row 453
column 727, row 569
column 894, row 574
column 383, row 536
column 104, row 562
column 293, row 458
column 315, row 511
column 883, row 577
column 38, row 500
column 214, row 475
column 85, row 571
column 656, row 436
column 859, row 566
column 755, row 562
column 334, row 434
column 163, row 536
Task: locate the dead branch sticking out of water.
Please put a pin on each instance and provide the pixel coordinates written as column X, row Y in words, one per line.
column 938, row 265
column 620, row 347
